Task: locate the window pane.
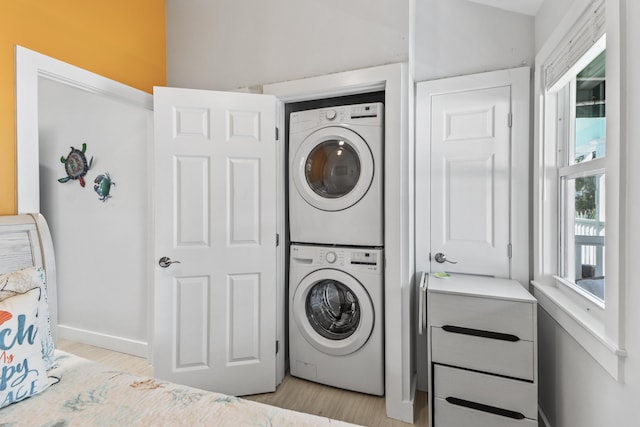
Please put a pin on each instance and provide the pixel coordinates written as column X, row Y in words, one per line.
column 585, row 234
column 590, row 122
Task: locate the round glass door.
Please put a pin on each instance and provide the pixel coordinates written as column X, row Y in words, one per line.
column 333, row 311
column 332, row 169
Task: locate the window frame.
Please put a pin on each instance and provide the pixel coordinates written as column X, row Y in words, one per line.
column 565, row 94
column 598, row 328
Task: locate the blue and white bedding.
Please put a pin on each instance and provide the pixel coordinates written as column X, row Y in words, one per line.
column 90, row 394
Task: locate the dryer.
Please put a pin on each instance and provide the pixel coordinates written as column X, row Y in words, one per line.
column 335, row 317
column 336, row 175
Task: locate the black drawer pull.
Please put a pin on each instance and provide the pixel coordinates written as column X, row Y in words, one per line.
column 485, row 408
column 480, row 333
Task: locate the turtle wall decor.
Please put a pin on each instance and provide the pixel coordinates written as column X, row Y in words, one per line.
column 103, row 185
column 75, row 165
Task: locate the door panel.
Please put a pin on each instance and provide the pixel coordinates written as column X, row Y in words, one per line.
column 244, row 328
column 244, row 205
column 470, row 173
column 215, row 206
column 191, row 179
column 191, row 308
column 468, row 182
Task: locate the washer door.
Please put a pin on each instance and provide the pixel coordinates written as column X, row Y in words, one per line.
column 333, row 312
column 333, row 168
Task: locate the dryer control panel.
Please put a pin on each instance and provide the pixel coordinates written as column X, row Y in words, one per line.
column 348, row 115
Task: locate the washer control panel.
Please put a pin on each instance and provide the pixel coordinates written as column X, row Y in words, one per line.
column 365, row 110
column 364, row 258
column 331, row 257
column 338, row 257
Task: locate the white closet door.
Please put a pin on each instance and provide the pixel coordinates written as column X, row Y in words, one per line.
column 470, row 176
column 215, row 209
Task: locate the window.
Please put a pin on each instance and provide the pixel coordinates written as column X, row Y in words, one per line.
column 579, row 216
column 581, row 177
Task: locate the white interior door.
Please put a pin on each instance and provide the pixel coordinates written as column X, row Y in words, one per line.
column 470, row 181
column 460, row 119
column 215, row 213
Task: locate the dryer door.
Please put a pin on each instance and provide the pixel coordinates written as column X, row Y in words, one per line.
column 333, row 311
column 333, row 168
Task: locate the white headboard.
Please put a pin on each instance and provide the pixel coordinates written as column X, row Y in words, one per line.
column 25, row 241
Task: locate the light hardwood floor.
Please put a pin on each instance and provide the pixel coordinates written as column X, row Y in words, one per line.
column 293, row 393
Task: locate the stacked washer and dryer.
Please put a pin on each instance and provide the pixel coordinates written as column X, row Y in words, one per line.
column 336, row 328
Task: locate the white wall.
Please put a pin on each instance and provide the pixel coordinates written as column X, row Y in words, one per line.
column 230, row 44
column 101, row 247
column 458, row 37
column 574, row 389
column 547, row 19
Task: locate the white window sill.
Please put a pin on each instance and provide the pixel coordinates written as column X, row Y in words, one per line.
column 585, row 327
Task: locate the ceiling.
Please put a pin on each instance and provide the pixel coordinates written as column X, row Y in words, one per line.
column 526, row 7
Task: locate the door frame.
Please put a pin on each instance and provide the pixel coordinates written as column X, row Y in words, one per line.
column 30, row 66
column 519, row 79
column 399, row 281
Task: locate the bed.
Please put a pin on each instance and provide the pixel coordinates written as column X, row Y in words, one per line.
column 44, row 386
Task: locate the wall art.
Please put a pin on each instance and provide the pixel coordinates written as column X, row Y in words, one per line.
column 75, row 165
column 103, row 185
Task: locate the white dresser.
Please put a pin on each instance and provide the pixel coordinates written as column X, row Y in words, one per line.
column 483, row 358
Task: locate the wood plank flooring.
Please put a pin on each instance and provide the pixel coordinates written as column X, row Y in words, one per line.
column 293, row 393
column 305, row 396
column 112, row 359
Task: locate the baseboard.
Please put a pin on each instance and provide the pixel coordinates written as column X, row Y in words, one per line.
column 110, row 342
column 403, row 410
column 544, row 422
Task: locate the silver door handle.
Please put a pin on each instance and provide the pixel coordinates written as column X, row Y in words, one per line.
column 165, row 262
column 441, row 258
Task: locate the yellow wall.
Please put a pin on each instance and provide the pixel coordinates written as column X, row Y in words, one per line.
column 123, row 40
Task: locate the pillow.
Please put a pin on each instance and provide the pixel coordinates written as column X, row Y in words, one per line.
column 22, row 369
column 21, row 281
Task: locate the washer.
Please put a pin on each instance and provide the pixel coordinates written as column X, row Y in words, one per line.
column 335, row 175
column 335, row 317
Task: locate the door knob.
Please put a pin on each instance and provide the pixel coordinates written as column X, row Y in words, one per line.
column 441, row 258
column 165, row 262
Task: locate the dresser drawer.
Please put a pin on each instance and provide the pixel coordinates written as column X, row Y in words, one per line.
column 446, row 414
column 510, row 358
column 518, row 397
column 488, row 314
